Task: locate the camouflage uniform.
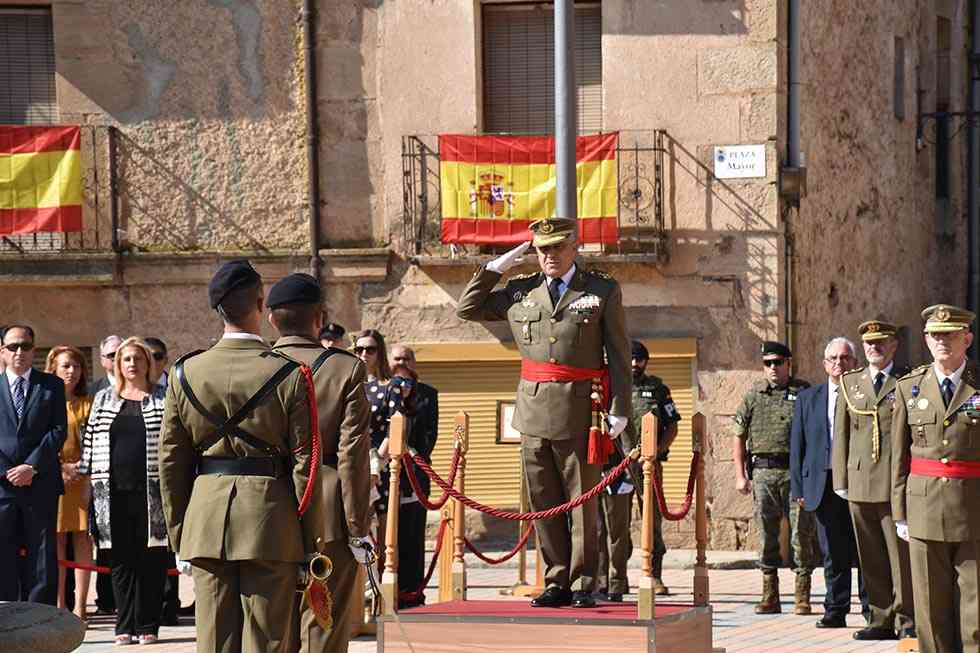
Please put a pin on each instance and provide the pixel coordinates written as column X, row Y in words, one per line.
column 764, row 420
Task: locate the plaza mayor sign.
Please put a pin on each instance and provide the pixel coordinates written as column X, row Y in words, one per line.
column 740, row 161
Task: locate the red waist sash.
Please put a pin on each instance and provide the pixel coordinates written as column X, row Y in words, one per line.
column 949, row 469
column 556, row 372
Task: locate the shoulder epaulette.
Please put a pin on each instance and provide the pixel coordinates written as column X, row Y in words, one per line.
column 280, row 354
column 189, row 354
column 344, row 351
column 854, row 371
column 518, row 277
column 599, row 273
column 918, row 371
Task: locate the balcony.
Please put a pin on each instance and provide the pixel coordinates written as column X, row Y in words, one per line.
column 639, row 216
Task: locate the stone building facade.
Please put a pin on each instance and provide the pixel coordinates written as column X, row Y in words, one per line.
column 205, row 104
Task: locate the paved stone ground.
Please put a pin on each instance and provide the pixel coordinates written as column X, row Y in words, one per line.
column 733, row 594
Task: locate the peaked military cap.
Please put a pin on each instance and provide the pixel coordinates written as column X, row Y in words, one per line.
column 942, row 318
column 873, row 330
column 231, row 276
column 296, row 288
column 773, row 348
column 640, row 352
column 552, row 231
column 332, row 330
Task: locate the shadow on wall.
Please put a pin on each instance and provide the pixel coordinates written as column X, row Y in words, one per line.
column 643, row 17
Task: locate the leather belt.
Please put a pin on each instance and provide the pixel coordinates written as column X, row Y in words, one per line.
column 771, row 461
column 945, row 468
column 250, row 466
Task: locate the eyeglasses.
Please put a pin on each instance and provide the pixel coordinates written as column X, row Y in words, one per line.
column 159, row 355
column 370, row 350
column 23, row 346
column 110, row 355
column 773, row 362
column 841, row 358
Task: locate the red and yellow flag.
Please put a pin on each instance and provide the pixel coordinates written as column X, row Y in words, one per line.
column 40, row 179
column 493, row 187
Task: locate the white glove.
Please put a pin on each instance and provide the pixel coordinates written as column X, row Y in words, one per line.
column 362, row 550
column 616, row 425
column 183, row 566
column 510, row 259
column 841, row 493
column 902, row 529
column 374, row 462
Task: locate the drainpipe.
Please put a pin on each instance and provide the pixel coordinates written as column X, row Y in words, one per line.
column 972, row 172
column 792, row 176
column 312, row 137
column 565, row 114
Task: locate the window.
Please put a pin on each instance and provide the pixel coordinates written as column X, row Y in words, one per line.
column 519, row 68
column 27, row 67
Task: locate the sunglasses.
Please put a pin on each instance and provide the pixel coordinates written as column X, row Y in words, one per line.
column 111, row 355
column 773, row 362
column 23, row 346
column 370, row 350
column 159, row 355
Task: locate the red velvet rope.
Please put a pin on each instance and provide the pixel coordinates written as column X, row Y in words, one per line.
column 68, row 564
column 414, row 481
column 504, row 558
column 417, row 594
column 658, row 489
column 304, row 502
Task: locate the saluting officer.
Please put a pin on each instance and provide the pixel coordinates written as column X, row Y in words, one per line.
column 862, row 475
column 234, row 464
column 762, row 428
column 344, row 414
column 936, row 483
column 565, row 320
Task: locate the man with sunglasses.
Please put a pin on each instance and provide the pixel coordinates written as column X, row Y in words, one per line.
column 107, row 359
column 33, row 425
column 761, row 448
column 570, row 329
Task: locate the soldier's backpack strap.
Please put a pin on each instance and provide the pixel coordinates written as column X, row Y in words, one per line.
column 321, row 359
column 229, row 427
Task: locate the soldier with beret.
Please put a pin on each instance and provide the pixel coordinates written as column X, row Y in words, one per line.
column 935, row 496
column 570, row 328
column 234, row 466
column 332, row 335
column 761, row 454
column 343, row 414
column 862, row 458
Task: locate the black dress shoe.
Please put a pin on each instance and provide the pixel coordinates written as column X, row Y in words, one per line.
column 830, row 621
column 553, row 597
column 581, row 599
column 875, row 633
column 615, row 597
column 186, row 610
column 907, row 633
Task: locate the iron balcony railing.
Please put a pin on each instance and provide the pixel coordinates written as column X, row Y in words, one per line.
column 640, row 205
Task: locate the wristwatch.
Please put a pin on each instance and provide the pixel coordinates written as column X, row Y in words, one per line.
column 33, row 469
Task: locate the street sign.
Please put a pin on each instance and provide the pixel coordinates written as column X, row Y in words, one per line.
column 740, row 161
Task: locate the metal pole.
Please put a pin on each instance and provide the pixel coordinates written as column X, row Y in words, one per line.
column 312, row 137
column 793, row 73
column 566, row 205
column 973, row 176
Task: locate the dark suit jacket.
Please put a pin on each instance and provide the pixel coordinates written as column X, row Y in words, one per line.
column 423, row 431
column 36, row 439
column 809, row 447
column 101, row 384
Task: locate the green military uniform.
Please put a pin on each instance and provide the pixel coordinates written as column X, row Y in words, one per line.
column 586, row 326
column 764, row 420
column 862, row 468
column 344, row 414
column 939, row 502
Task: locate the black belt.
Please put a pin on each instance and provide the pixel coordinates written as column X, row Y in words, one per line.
column 274, row 467
column 771, row 461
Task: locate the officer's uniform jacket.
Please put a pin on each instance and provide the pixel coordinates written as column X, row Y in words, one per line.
column 588, row 323
column 231, row 517
column 344, row 415
column 854, row 467
column 943, row 509
column 765, row 417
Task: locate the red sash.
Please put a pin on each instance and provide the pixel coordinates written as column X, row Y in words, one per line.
column 949, row 469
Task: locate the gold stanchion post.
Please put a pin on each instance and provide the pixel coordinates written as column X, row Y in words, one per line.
column 646, row 598
column 396, row 447
column 701, row 589
column 461, row 431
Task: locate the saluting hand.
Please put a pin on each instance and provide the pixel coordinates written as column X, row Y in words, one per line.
column 509, row 260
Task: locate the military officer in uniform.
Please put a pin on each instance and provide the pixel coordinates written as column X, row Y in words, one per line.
column 761, row 448
column 234, row 464
column 566, row 321
column 862, row 476
column 343, row 413
column 936, row 483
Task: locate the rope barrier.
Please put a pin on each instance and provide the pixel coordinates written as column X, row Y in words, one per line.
column 420, row 592
column 658, row 489
column 504, row 558
column 68, row 564
column 423, row 498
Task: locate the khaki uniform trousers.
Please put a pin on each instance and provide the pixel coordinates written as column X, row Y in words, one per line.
column 245, row 605
column 556, row 471
column 945, row 577
column 342, row 584
column 887, row 578
column 615, row 543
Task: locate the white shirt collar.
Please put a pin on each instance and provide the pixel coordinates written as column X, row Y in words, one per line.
column 873, row 371
column 566, row 278
column 241, row 335
column 954, row 377
column 831, row 385
column 11, row 377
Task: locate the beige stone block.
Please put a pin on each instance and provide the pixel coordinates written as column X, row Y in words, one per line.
column 343, row 73
column 763, row 18
column 740, row 69
column 724, row 501
column 759, row 118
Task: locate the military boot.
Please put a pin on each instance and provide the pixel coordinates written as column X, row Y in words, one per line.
column 770, row 595
column 802, row 594
column 659, row 588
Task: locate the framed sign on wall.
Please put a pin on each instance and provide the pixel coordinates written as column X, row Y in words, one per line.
column 506, row 434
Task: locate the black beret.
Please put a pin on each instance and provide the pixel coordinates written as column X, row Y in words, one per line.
column 332, row 330
column 231, row 276
column 773, row 348
column 297, row 288
column 640, row 351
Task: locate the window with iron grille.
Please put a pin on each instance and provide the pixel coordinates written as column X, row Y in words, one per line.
column 27, row 89
column 519, row 68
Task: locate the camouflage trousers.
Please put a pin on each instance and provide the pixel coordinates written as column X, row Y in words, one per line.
column 770, row 489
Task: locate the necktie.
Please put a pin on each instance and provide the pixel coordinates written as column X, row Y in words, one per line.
column 947, row 392
column 554, row 291
column 879, row 381
column 20, row 396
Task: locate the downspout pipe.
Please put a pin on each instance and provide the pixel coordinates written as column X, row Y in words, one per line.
column 566, row 201
column 312, row 137
column 794, row 158
column 972, row 174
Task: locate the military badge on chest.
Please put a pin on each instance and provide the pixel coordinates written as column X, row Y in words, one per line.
column 586, row 306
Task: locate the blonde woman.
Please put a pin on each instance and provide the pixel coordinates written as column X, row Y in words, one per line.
column 68, row 364
column 120, row 452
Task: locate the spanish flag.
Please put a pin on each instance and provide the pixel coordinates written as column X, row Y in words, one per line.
column 493, row 187
column 40, row 179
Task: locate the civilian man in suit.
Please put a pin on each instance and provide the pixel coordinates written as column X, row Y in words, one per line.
column 862, row 475
column 33, row 424
column 107, row 359
column 812, row 486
